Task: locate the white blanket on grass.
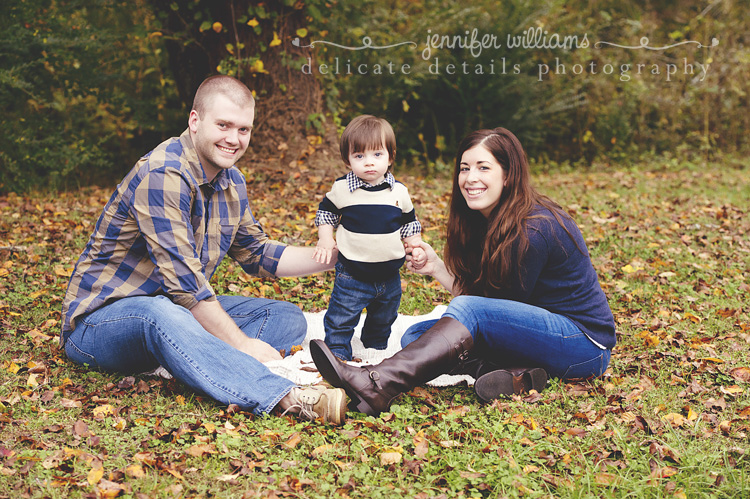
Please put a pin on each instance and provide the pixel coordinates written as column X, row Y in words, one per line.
column 300, row 368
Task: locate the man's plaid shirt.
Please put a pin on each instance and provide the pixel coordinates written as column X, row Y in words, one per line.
column 164, row 231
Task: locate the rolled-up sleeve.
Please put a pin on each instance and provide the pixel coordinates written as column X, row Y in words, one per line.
column 253, row 250
column 161, row 206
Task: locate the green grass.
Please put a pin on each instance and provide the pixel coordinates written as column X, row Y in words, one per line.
column 670, row 418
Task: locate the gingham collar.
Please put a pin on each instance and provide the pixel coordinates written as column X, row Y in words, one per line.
column 354, row 182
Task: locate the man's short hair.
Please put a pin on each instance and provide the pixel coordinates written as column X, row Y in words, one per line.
column 232, row 88
column 367, row 132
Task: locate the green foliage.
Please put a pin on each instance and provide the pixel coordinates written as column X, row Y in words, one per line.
column 87, row 86
column 78, row 86
column 584, row 101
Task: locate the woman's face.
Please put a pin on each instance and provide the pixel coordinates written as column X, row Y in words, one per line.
column 481, row 179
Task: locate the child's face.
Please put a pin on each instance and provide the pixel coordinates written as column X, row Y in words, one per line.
column 370, row 165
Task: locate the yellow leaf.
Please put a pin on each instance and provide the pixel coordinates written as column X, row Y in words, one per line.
column 120, row 424
column 103, row 410
column 180, row 399
column 95, row 475
column 257, row 67
column 731, row 390
column 302, row 32
column 276, row 40
column 675, row 419
column 253, row 22
column 694, row 318
column 217, row 26
column 135, row 471
column 387, row 458
column 32, row 381
column 61, row 271
column 13, row 368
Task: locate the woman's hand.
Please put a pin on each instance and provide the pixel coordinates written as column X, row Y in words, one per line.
column 421, row 258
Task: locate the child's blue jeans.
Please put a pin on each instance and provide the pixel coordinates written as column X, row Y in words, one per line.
column 349, row 297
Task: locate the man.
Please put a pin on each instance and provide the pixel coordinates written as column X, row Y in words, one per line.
column 140, row 296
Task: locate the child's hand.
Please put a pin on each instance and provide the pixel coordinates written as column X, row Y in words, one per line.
column 324, row 251
column 418, row 257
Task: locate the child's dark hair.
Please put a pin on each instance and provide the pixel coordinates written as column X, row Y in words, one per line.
column 367, row 132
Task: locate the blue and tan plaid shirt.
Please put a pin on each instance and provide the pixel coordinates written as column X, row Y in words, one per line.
column 164, row 231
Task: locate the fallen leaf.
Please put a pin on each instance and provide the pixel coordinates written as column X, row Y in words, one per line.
column 387, row 458
column 103, row 410
column 81, row 429
column 95, row 475
column 135, row 471
column 200, row 450
column 421, row 445
column 322, row 449
column 293, row 440
column 741, row 374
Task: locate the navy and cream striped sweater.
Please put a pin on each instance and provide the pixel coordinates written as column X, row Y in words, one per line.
column 371, row 222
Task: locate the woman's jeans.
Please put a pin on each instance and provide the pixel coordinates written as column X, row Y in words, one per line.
column 137, row 334
column 514, row 334
column 349, row 297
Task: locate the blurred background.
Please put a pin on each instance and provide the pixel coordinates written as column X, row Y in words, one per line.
column 87, row 86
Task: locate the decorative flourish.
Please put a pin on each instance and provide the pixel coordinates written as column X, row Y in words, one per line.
column 645, row 41
column 366, row 44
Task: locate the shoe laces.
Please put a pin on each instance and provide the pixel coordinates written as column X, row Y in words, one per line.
column 304, row 404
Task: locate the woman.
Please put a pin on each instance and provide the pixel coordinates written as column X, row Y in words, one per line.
column 527, row 299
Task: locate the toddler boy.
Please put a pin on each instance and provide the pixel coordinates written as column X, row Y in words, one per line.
column 373, row 217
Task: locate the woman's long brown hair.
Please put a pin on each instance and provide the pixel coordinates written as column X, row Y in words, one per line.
column 484, row 254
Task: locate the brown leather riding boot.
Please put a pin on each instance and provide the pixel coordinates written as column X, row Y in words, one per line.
column 373, row 388
column 509, row 381
column 475, row 367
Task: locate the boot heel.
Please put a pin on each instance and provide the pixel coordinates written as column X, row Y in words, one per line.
column 538, row 378
column 494, row 385
column 503, row 382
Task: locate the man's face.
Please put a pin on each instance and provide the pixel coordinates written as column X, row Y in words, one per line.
column 222, row 134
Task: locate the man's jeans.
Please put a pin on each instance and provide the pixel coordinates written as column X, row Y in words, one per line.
column 515, row 334
column 349, row 297
column 134, row 335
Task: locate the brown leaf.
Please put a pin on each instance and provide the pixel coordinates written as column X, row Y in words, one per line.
column 293, row 440
column 200, row 450
column 81, row 429
column 741, row 374
column 576, row 432
column 421, row 445
column 126, row 383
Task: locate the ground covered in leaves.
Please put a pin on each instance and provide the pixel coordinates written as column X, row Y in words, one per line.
column 670, row 418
